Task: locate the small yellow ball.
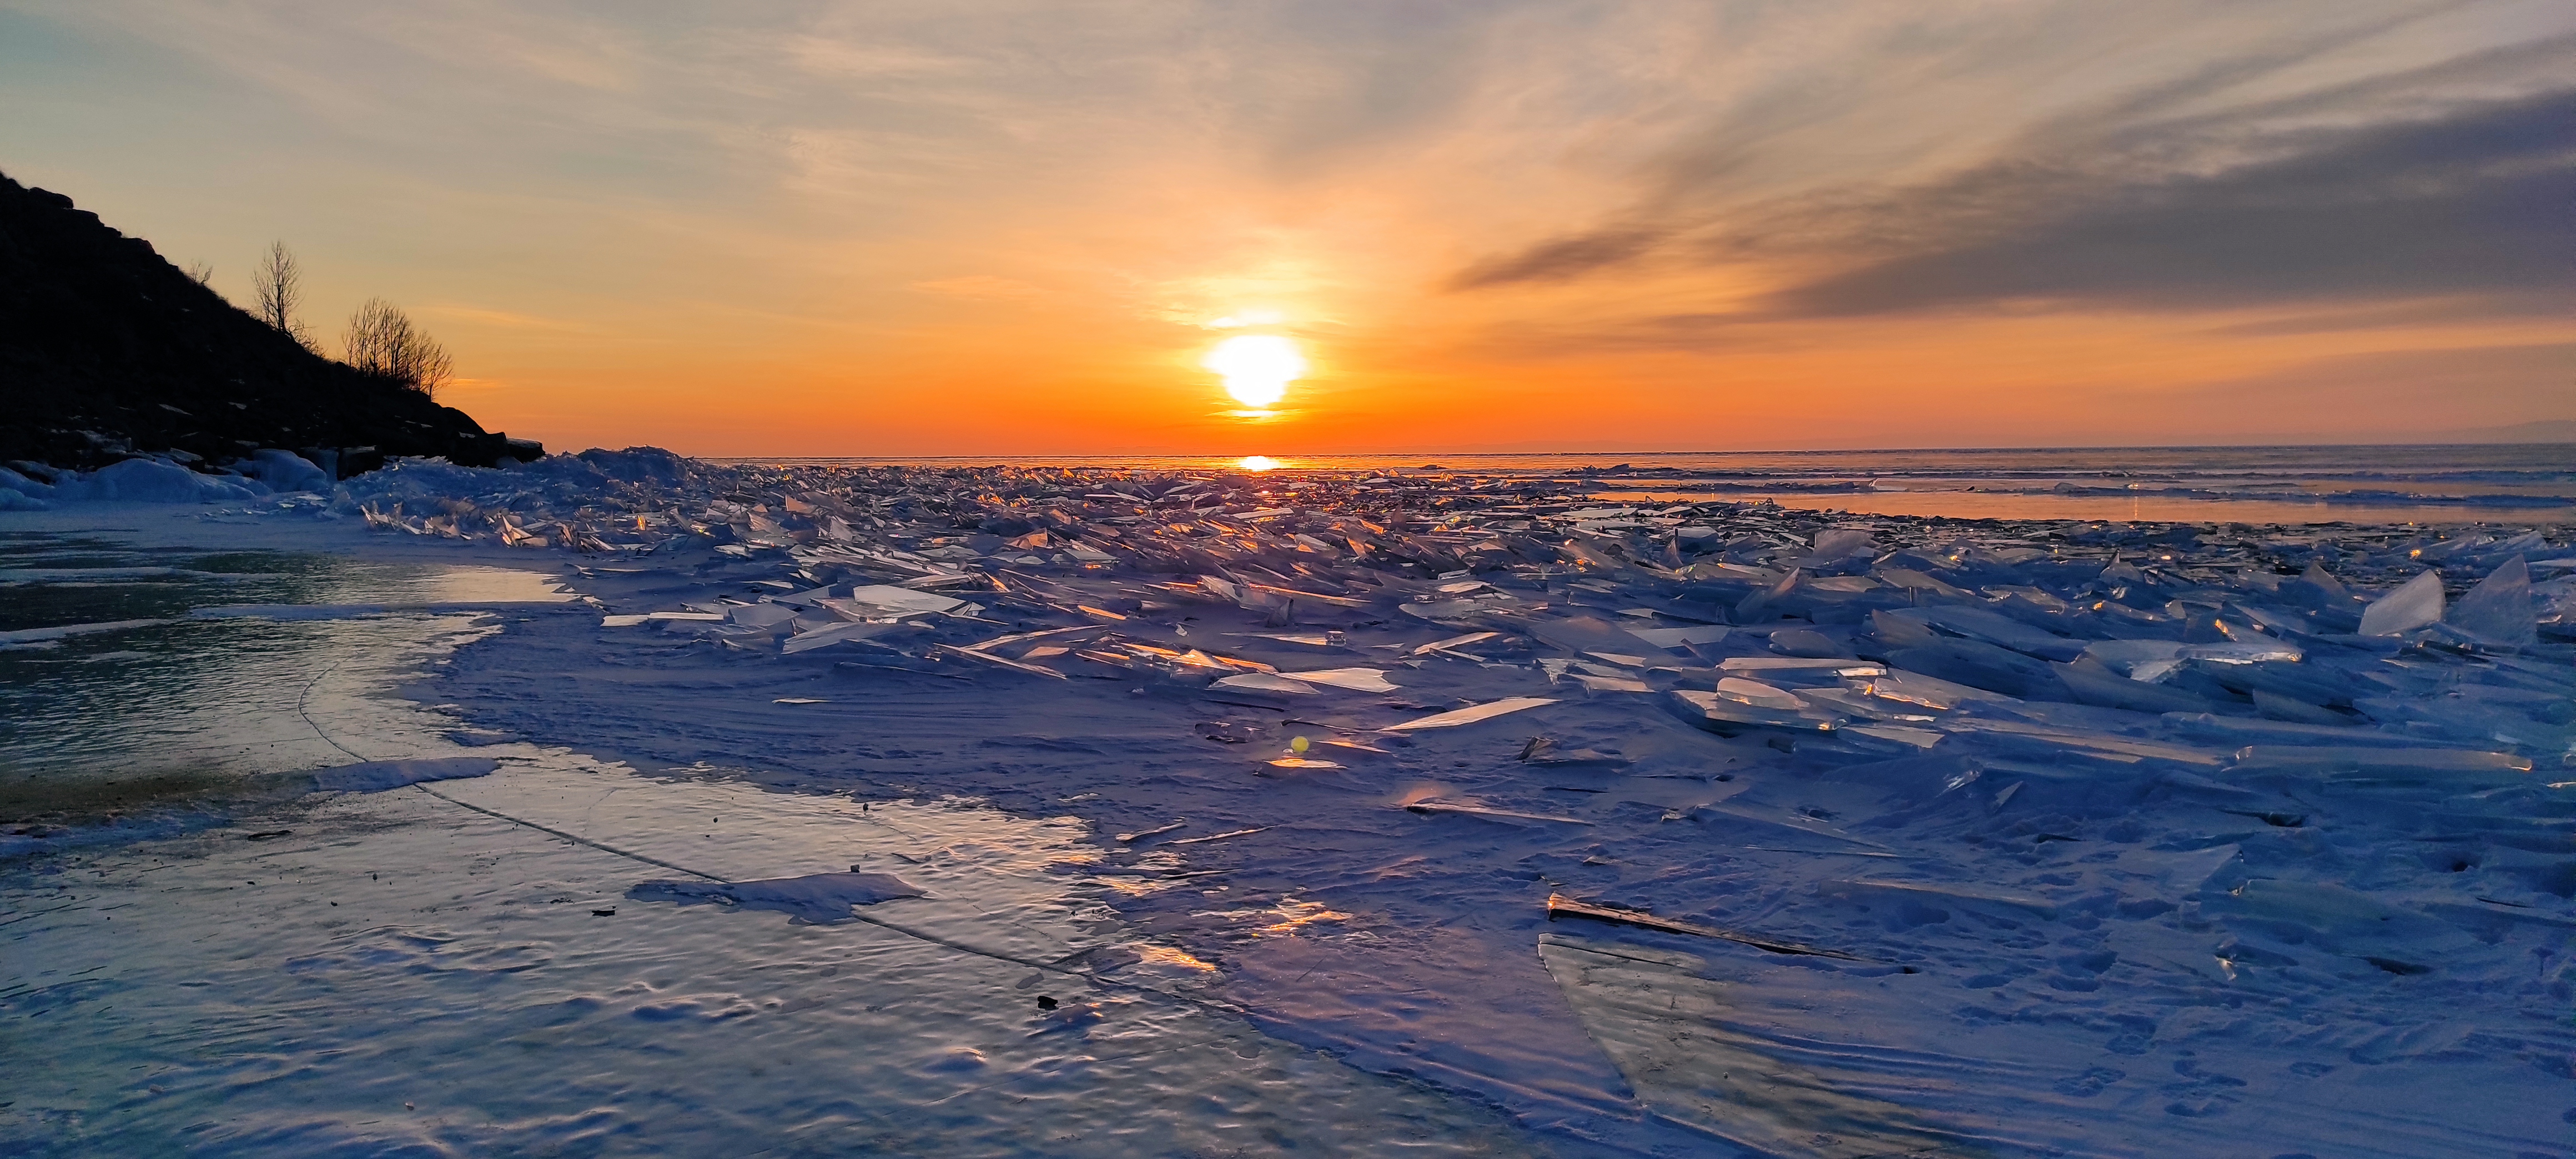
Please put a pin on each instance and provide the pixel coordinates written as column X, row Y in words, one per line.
column 1300, row 744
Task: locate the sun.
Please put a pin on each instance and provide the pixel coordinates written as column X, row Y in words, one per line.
column 1257, row 368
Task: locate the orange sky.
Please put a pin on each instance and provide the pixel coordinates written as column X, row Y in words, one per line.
column 1011, row 229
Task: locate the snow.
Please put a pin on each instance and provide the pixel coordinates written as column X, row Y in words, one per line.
column 286, row 471
column 149, row 481
column 2119, row 839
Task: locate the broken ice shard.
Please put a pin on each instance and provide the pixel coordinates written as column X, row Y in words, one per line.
column 2499, row 609
column 1355, row 679
column 1472, row 713
column 2414, row 604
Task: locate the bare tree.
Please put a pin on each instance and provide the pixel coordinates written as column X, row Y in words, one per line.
column 381, row 340
column 202, row 274
column 278, row 285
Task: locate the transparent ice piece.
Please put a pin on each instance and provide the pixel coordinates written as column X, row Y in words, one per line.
column 1355, row 679
column 1265, row 682
column 1676, row 637
column 1472, row 713
column 2414, row 604
column 2343, row 759
column 2500, row 607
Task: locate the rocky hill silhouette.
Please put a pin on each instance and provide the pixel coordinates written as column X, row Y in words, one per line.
column 108, row 351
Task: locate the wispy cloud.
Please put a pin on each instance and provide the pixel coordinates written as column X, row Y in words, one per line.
column 1618, row 201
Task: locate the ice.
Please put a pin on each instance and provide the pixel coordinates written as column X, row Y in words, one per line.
column 761, row 615
column 24, row 487
column 1799, row 664
column 378, row 776
column 27, row 637
column 2056, row 747
column 286, row 471
column 1980, row 624
column 820, row 898
column 1679, row 637
column 1839, row 543
column 2391, row 760
column 1690, row 1050
column 1472, row 713
column 2098, row 684
column 2414, row 604
column 836, row 634
column 1455, row 643
column 151, row 481
column 1354, row 679
column 1726, row 714
column 2499, row 608
column 1558, row 906
column 1265, row 682
column 1756, row 693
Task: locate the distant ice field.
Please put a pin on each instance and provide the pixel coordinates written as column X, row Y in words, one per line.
column 2373, row 484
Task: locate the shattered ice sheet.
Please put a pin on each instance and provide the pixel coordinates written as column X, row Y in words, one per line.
column 2124, row 839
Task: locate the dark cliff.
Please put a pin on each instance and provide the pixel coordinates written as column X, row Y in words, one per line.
column 106, row 350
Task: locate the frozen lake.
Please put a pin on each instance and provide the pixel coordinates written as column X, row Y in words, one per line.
column 209, row 962
column 2286, row 485
column 963, row 810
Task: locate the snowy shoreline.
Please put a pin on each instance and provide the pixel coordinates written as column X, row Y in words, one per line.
column 2130, row 840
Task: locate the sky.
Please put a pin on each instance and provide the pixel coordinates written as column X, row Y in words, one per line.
column 1022, row 228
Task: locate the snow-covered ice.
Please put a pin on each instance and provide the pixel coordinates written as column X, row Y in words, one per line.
column 2023, row 837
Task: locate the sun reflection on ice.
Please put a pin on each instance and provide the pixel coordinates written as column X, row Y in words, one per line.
column 1257, row 463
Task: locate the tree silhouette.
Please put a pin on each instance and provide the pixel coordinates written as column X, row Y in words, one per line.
column 278, row 286
column 381, row 340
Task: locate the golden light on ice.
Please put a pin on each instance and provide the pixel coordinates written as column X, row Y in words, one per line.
column 1257, row 463
column 1257, row 368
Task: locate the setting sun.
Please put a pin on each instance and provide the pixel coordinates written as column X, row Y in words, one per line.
column 1257, row 368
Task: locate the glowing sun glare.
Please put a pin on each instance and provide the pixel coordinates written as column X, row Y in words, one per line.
column 1258, row 463
column 1257, row 368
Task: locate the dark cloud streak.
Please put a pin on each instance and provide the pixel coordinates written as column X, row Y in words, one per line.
column 2475, row 202
column 1561, row 259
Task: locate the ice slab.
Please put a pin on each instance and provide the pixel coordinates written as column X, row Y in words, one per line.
column 1266, row 682
column 1721, row 713
column 1354, row 679
column 2414, row 604
column 1756, row 693
column 1799, row 664
column 1471, row 714
column 900, row 601
column 836, row 634
column 2500, row 608
column 2356, row 759
column 1994, row 628
column 1677, row 637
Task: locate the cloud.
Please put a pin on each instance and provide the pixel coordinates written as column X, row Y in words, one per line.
column 1560, row 259
column 2389, row 156
column 2474, row 201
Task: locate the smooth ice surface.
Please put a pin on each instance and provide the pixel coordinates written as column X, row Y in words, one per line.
column 399, row 974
